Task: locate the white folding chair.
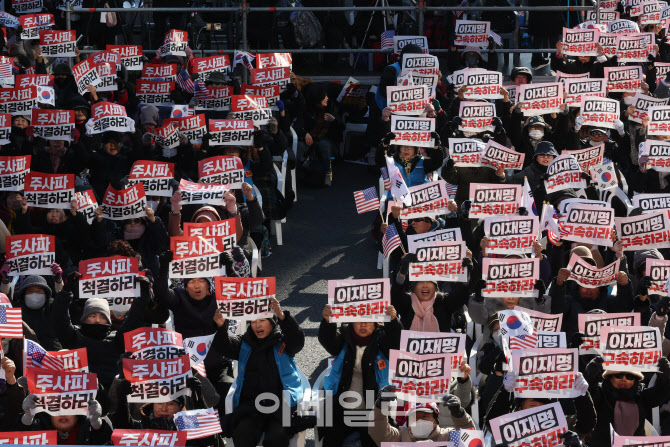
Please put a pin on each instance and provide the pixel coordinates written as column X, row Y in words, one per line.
column 294, row 148
column 256, row 262
column 258, row 196
column 476, row 378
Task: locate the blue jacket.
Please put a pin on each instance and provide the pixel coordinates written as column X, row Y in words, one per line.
column 379, row 99
column 332, row 381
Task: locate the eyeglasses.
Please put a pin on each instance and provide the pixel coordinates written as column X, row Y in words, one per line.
column 626, row 375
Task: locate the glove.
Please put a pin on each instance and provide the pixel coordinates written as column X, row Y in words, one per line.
column 164, row 260
column 387, row 138
column 194, row 384
column 643, row 286
column 594, row 370
column 226, row 260
column 465, row 208
column 143, row 282
column 4, row 273
column 455, row 122
column 523, row 211
column 618, row 126
column 541, row 288
column 124, row 388
column 577, row 340
column 579, row 121
column 467, row 263
column 72, row 282
column 509, row 381
column 662, row 306
column 453, row 403
column 57, row 272
column 586, row 177
column 498, row 125
column 664, row 367
column 450, row 164
column 581, row 384
column 499, row 361
column 291, row 90
column 23, row 382
column 259, row 136
column 94, row 413
column 570, row 439
column 436, row 137
column 121, row 85
column 75, row 135
column 30, row 133
column 404, row 263
column 280, row 105
column 29, row 404
column 148, row 139
column 386, row 394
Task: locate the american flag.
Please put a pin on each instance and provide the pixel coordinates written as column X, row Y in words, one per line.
column 10, row 322
column 466, row 438
column 36, row 356
column 391, row 240
column 523, row 341
column 243, row 57
column 366, row 200
column 451, row 189
column 387, row 180
column 198, row 423
column 387, row 39
column 185, row 82
column 6, row 70
column 200, row 90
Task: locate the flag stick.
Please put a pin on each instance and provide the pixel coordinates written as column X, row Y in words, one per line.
column 382, row 215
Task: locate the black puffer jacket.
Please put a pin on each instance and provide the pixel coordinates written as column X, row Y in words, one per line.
column 86, row 435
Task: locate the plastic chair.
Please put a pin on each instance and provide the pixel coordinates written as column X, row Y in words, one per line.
column 476, row 377
column 294, row 148
column 256, row 262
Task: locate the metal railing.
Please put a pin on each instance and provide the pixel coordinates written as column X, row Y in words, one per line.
column 420, row 8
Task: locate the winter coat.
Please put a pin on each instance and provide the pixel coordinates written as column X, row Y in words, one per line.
column 41, row 321
column 445, row 305
column 381, row 431
column 86, row 435
column 72, row 162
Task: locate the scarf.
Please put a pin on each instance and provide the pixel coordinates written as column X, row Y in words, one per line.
column 56, row 153
column 424, row 320
column 360, row 341
column 626, row 418
column 408, row 164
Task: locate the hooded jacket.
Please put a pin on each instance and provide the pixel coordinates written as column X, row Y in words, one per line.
column 40, row 320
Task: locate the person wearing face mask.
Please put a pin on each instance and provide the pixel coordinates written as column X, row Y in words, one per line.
column 622, row 399
column 361, row 352
column 542, row 158
column 19, row 144
column 58, row 156
column 582, row 64
column 65, row 87
column 422, row 421
column 265, row 355
column 616, row 142
column 526, row 135
column 472, row 58
column 34, row 296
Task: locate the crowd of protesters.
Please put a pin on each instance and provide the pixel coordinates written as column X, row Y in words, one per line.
column 244, row 361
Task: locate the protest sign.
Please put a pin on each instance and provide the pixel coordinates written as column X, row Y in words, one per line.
column 449, row 234
column 31, row 25
column 477, row 116
column 155, row 176
column 651, row 12
column 604, row 17
column 642, row 103
column 458, row 78
column 635, row 7
column 251, row 108
column 589, row 157
column 665, row 17
column 5, row 129
column 466, row 152
column 419, row 64
column 564, row 172
column 410, row 100
column 205, row 193
column 131, row 56
column 167, row 136
column 599, row 112
column 8, row 21
column 509, row 235
column 399, row 42
column 422, row 343
column 545, row 373
column 245, row 298
column 175, row 43
column 108, row 77
column 107, row 116
column 39, row 437
column 280, row 76
column 536, row 426
column 498, row 156
column 587, row 275
column 49, row 190
column 578, row 88
column 193, row 127
column 489, row 200
column 540, row 99
column 439, row 261
column 266, row 60
column 61, row 393
column 219, row 98
column 85, row 74
column 632, row 348
column 25, row 6
column 129, row 203
column 196, row 257
column 659, row 120
column 58, row 43
column 205, row 66
column 648, row 203
column 588, row 224
column 223, row 169
column 632, row 47
column 109, row 277
column 651, row 230
column 420, row 378
column 550, row 340
column 35, row 80
column 13, row 171
column 428, row 199
column 144, row 438
column 157, row 380
column 53, row 124
column 562, row 77
column 154, row 92
column 580, row 42
column 354, row 94
column 662, row 69
column 542, row 321
column 411, row 131
column 642, row 441
column 471, row 33
column 167, row 72
column 86, row 204
column 608, row 43
column 34, row 356
column 591, row 325
column 658, row 155
column 231, row 133
column 119, row 306
column 483, row 85
column 354, row 300
column 18, row 101
column 30, row 254
column 224, row 231
column 147, row 343
column 624, row 79
column 604, row 176
column 509, row 277
column 659, row 272
column 270, row 92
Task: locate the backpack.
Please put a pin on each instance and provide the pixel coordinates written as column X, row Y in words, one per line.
column 306, row 29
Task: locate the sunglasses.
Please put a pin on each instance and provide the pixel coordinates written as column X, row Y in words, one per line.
column 419, row 220
column 596, row 133
column 626, row 375
column 135, row 220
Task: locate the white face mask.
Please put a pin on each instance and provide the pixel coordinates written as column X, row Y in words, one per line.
column 152, row 204
column 169, row 152
column 422, row 428
column 594, row 143
column 628, row 100
column 35, row 300
column 496, row 338
column 536, row 134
